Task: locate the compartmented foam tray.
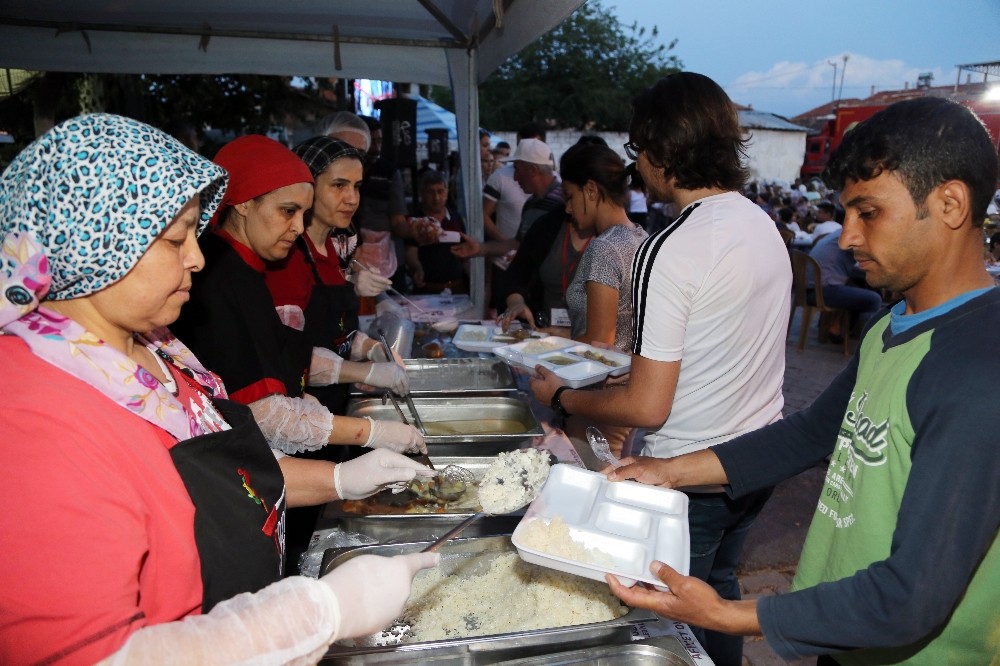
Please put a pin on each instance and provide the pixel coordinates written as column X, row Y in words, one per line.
column 482, row 337
column 577, row 364
column 632, row 523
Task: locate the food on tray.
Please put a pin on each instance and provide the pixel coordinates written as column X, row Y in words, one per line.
column 476, row 427
column 600, row 358
column 413, row 500
column 538, row 347
column 497, row 594
column 433, row 350
column 439, row 489
column 474, row 335
column 561, row 360
column 513, row 480
column 554, row 538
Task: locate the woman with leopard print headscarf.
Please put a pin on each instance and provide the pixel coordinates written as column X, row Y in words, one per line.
column 142, row 510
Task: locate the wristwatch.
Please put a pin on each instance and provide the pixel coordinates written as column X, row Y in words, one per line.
column 556, row 403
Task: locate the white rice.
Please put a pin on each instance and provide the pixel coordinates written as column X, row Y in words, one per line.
column 512, row 480
column 538, row 347
column 554, row 538
column 510, row 596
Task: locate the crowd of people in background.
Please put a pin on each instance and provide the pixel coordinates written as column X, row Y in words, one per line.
column 675, row 259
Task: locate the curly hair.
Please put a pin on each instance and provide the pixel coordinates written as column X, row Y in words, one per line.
column 687, row 126
column 925, row 142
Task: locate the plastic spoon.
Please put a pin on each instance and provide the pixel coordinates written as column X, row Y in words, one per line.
column 601, row 448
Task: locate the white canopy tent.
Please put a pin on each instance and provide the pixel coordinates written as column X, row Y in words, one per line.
column 455, row 43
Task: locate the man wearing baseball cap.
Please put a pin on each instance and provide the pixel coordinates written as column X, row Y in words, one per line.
column 534, row 171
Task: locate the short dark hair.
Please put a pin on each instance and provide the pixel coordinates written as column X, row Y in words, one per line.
column 827, row 206
column 786, row 214
column 925, row 142
column 531, row 130
column 503, row 144
column 687, row 125
column 592, row 138
column 591, row 161
column 994, row 239
column 432, row 177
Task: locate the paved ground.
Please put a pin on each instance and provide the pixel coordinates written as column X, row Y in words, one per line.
column 772, row 550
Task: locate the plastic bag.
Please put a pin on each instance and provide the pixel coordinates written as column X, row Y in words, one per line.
column 377, row 252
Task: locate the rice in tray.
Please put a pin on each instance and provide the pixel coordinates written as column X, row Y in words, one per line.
column 509, row 596
column 554, row 538
column 513, row 480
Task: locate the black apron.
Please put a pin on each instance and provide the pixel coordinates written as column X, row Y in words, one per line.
column 331, row 316
column 238, row 493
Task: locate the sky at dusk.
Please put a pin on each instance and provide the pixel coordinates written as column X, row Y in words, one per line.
column 774, row 54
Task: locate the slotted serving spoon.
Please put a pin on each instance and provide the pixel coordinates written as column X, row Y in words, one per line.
column 458, row 529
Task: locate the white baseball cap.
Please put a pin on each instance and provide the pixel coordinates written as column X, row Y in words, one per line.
column 533, row 151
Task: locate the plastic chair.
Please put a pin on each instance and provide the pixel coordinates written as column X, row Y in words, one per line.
column 787, row 235
column 802, row 266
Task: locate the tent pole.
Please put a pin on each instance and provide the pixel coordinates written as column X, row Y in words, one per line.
column 462, row 66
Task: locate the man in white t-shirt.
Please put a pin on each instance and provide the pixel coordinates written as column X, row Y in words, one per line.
column 711, row 296
column 826, row 222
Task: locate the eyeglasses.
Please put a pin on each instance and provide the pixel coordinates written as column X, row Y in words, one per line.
column 632, row 150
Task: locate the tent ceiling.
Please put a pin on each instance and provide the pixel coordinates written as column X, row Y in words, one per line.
column 455, row 43
column 399, row 40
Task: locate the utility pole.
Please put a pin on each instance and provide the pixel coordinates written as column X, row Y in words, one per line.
column 833, row 90
column 843, row 70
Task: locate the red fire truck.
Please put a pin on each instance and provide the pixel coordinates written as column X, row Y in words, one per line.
column 819, row 146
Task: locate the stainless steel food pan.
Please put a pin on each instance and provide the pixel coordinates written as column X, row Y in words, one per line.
column 659, row 651
column 480, row 649
column 401, row 528
column 486, row 418
column 431, row 377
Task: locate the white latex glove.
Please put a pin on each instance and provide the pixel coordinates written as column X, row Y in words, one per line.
column 372, row 590
column 368, row 283
column 291, row 316
column 324, row 367
column 374, row 471
column 293, row 425
column 292, row 621
column 376, row 353
column 388, row 375
column 395, row 436
column 358, row 345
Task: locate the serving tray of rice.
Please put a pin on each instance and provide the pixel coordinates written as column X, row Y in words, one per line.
column 482, row 591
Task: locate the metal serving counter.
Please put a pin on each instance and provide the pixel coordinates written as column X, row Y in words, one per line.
column 484, row 392
column 461, row 555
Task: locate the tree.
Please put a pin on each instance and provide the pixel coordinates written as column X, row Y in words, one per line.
column 582, row 75
column 232, row 104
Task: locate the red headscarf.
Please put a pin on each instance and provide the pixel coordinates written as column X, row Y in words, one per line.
column 257, row 165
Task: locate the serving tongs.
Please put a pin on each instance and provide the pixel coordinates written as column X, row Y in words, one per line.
column 409, row 401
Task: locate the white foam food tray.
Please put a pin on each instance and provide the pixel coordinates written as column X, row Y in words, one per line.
column 480, row 337
column 577, row 364
column 632, row 522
